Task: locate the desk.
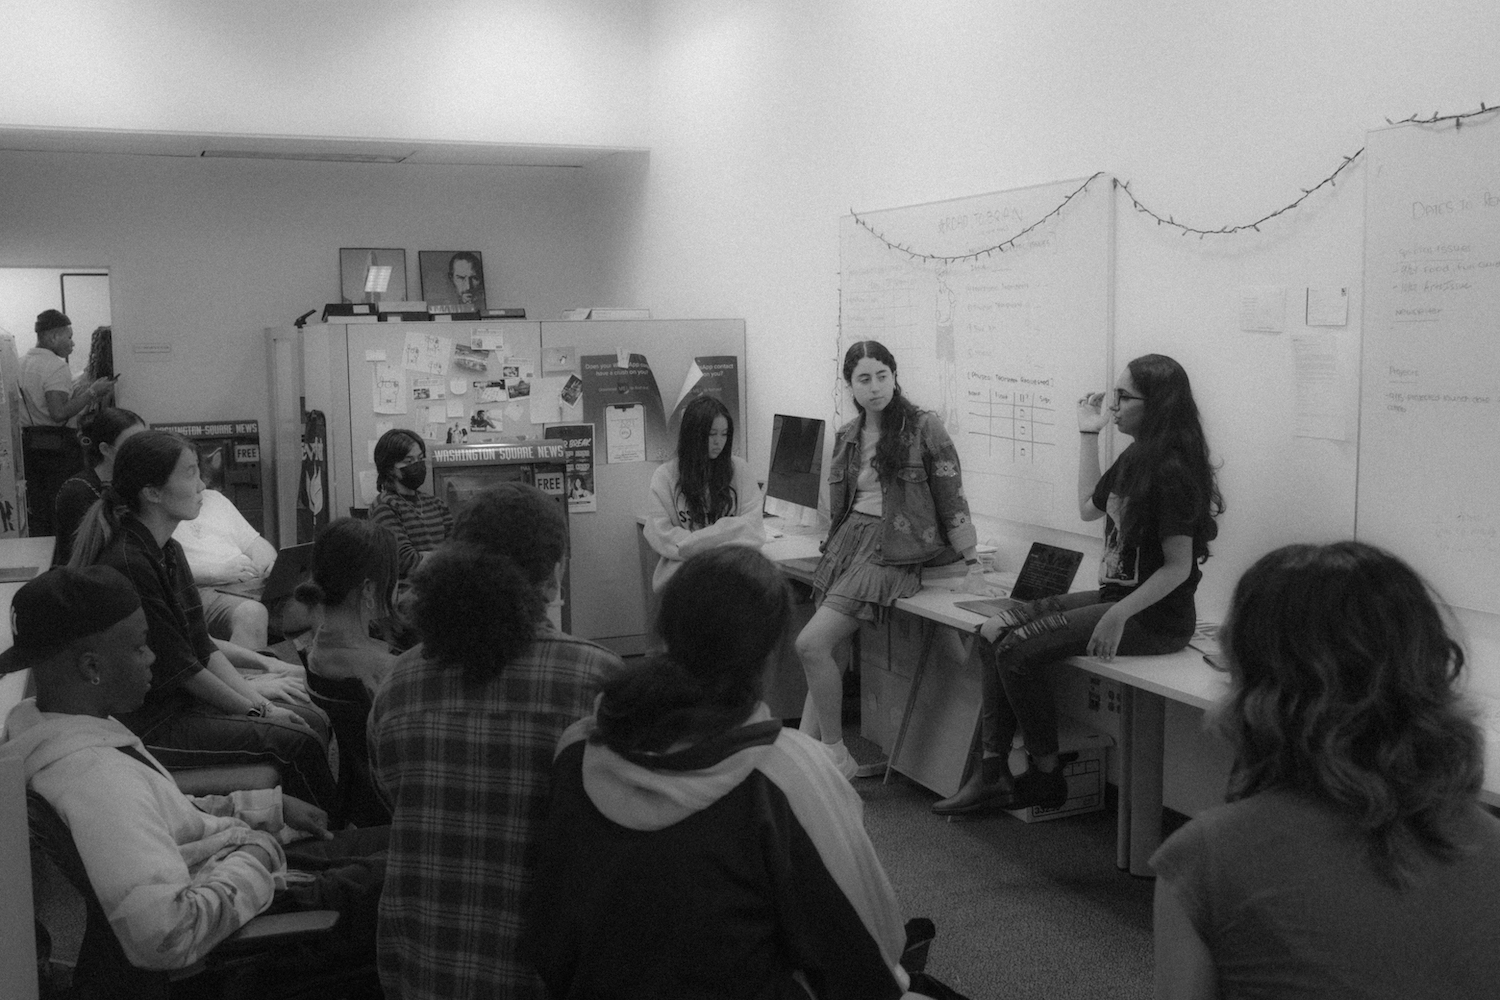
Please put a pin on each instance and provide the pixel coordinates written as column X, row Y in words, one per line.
column 937, row 725
column 1149, row 682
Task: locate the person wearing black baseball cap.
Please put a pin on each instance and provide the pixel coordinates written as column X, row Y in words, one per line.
column 174, row 875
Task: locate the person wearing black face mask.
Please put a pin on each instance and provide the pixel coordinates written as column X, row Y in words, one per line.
column 420, row 521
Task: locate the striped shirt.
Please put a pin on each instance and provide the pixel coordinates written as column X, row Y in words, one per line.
column 420, row 522
column 467, row 764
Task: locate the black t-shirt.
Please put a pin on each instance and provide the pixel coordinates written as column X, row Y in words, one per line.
column 1124, row 567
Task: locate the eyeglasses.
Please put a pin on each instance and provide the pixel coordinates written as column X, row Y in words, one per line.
column 1121, row 396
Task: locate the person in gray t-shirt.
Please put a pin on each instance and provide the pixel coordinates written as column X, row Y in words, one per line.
column 1353, row 858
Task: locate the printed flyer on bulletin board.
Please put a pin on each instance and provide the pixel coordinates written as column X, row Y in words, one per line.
column 578, row 442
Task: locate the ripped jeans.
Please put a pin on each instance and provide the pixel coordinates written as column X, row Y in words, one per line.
column 1016, row 690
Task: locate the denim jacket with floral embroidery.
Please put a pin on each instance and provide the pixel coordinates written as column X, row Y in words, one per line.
column 926, row 516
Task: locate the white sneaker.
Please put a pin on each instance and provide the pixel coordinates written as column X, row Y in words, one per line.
column 842, row 759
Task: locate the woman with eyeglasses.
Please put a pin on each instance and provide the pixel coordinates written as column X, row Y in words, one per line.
column 420, row 521
column 1158, row 501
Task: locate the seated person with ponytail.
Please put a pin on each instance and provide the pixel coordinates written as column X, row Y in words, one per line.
column 463, row 733
column 353, row 585
column 100, row 436
column 200, row 711
column 693, row 845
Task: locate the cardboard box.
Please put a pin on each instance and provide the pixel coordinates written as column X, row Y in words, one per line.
column 1085, row 775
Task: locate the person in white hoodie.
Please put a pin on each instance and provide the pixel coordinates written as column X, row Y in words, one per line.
column 174, row 875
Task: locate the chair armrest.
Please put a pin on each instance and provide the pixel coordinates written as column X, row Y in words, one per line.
column 277, row 928
column 223, row 780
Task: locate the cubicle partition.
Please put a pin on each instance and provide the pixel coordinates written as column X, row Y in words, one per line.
column 459, row 383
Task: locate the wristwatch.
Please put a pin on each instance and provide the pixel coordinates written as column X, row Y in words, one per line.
column 258, row 711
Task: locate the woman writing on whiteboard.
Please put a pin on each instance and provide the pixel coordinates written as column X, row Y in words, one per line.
column 1158, row 500
column 896, row 498
column 705, row 497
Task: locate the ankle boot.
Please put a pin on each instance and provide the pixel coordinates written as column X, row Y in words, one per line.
column 988, row 787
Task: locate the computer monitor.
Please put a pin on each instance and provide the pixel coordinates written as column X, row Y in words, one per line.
column 796, row 460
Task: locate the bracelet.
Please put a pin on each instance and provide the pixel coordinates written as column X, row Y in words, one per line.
column 971, row 562
column 1090, row 433
column 258, row 711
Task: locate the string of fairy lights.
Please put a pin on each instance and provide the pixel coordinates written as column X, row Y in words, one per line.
column 1165, row 220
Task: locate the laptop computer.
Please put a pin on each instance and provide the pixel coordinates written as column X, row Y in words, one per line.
column 293, row 565
column 1047, row 572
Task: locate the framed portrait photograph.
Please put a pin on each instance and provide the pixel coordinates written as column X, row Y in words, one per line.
column 452, row 280
column 370, row 274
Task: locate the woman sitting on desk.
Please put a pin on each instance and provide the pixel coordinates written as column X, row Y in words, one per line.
column 200, row 711
column 420, row 521
column 101, row 435
column 896, row 497
column 704, row 497
column 1159, row 501
column 1353, row 858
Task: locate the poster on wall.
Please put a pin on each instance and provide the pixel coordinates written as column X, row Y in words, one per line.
column 369, row 274
column 452, row 281
column 312, row 484
column 579, row 451
column 624, row 433
column 623, row 394
column 717, row 375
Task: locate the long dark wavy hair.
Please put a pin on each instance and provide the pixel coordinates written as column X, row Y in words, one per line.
column 482, row 594
column 1345, row 690
column 1170, row 450
column 898, row 421
column 721, row 615
column 706, row 486
column 145, row 459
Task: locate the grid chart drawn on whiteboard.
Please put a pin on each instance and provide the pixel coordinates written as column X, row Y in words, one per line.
column 1429, row 411
column 999, row 347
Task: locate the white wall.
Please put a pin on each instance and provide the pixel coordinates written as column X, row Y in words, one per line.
column 530, row 71
column 769, row 120
column 204, row 254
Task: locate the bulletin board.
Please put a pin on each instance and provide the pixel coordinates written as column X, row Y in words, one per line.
column 1000, row 344
column 1429, row 428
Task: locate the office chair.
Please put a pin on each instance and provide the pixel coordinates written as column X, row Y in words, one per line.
column 235, row 968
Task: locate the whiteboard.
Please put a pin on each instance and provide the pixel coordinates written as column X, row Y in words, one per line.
column 1429, row 423
column 1000, row 347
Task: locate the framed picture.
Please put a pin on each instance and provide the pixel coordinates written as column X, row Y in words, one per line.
column 367, row 274
column 452, row 280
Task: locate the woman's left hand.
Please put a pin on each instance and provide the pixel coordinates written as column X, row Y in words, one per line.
column 1106, row 637
column 276, row 687
column 975, row 583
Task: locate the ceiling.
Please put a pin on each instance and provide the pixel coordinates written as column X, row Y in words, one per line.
column 273, row 147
